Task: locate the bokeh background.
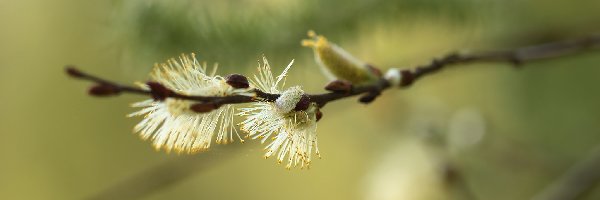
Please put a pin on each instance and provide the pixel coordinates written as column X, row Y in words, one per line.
column 510, row 132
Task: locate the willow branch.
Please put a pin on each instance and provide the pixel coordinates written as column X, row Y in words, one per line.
column 515, row 57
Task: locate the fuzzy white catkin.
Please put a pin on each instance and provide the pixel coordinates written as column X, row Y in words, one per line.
column 394, row 76
column 288, row 99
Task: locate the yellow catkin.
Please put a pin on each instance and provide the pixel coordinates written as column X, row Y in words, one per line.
column 336, row 63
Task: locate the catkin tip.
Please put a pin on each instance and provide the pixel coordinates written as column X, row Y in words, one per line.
column 308, row 43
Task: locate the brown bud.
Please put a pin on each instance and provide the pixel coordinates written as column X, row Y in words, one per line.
column 303, row 104
column 71, row 71
column 159, row 92
column 103, row 90
column 339, row 86
column 369, row 97
column 407, row 78
column 237, row 81
column 204, row 107
column 319, row 115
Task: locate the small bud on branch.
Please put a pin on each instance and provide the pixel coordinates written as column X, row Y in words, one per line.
column 341, row 86
column 369, row 97
column 407, row 78
column 237, row 81
column 303, row 104
column 319, row 115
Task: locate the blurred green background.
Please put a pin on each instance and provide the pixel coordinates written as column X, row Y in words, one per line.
column 511, row 132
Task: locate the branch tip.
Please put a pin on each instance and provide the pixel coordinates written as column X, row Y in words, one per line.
column 73, row 72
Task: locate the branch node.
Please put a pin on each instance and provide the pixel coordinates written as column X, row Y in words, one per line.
column 340, row 86
column 407, row 78
column 158, row 91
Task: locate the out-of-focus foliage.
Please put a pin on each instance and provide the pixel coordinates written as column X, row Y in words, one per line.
column 520, row 128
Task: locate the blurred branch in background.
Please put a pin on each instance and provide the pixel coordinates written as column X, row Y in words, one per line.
column 162, row 176
column 577, row 182
column 455, row 178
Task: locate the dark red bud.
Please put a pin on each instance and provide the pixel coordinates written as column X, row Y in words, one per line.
column 237, row 81
column 303, row 104
column 407, row 78
column 73, row 72
column 103, row 90
column 369, row 97
column 204, row 107
column 159, row 92
column 339, row 86
column 319, row 115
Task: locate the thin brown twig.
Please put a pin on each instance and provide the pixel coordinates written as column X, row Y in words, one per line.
column 516, row 57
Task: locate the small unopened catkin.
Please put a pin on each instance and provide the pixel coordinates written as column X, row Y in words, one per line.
column 336, row 63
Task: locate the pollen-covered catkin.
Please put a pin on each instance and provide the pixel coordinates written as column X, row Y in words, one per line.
column 175, row 124
column 292, row 132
